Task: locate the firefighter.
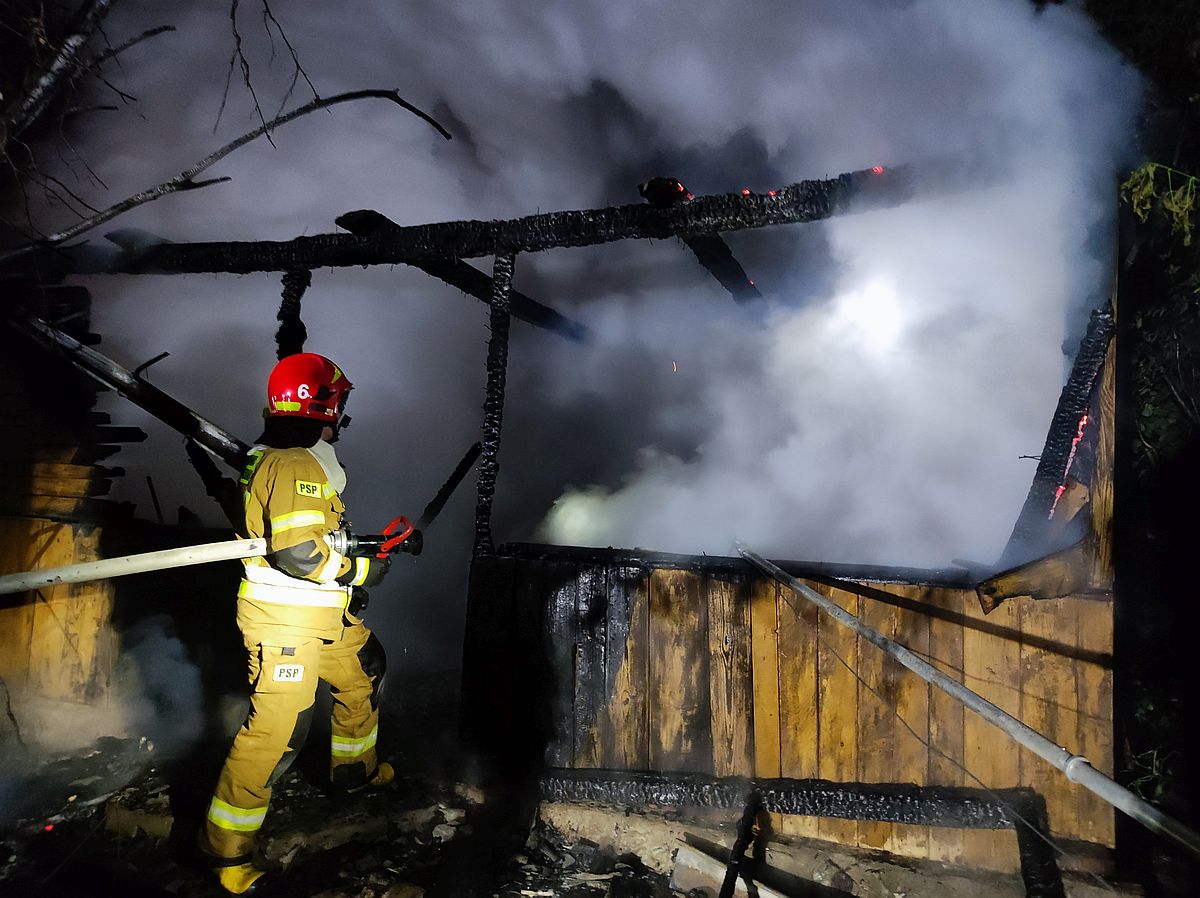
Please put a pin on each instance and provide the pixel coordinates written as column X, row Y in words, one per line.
column 296, row 610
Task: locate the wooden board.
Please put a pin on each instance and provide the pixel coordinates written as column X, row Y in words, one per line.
column 764, row 630
column 1049, row 704
column 946, row 713
column 1102, row 480
column 558, row 584
column 911, row 723
column 623, row 728
column 877, row 696
column 1094, row 688
column 730, row 682
column 799, row 710
column 590, row 650
column 992, row 668
column 837, row 743
column 680, row 734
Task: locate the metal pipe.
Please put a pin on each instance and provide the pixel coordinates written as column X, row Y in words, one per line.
column 1076, row 768
column 133, row 564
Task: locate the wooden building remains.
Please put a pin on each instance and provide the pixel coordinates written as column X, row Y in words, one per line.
column 618, row 660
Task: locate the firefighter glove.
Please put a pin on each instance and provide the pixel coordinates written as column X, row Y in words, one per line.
column 365, row 571
column 413, row 545
column 359, row 599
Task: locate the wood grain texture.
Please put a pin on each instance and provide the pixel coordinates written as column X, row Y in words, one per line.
column 1102, row 480
column 591, row 648
column 624, row 722
column 764, row 626
column 992, row 668
column 680, row 734
column 910, row 725
column 946, row 714
column 1049, row 705
column 1094, row 689
column 838, row 743
column 799, row 708
column 878, row 761
column 731, row 684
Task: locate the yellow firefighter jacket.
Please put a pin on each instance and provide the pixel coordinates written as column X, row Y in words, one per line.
column 291, row 498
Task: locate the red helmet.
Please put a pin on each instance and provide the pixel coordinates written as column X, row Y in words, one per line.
column 307, row 385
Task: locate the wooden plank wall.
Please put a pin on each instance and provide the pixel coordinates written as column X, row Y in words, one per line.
column 55, row 643
column 683, row 670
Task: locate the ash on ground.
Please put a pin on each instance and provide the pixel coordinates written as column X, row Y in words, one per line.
column 113, row 821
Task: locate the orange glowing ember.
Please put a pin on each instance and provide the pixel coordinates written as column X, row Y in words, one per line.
column 745, row 191
column 877, row 169
column 1070, row 461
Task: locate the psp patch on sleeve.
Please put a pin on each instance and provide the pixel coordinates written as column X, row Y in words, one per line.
column 308, row 488
column 289, row 673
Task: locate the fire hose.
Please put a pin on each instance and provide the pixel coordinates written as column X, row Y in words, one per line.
column 398, row 536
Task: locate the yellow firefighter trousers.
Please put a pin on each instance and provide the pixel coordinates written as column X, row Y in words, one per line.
column 283, row 673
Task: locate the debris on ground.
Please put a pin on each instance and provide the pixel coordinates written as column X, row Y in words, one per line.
column 551, row 866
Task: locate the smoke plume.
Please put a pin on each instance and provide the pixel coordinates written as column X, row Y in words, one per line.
column 871, row 408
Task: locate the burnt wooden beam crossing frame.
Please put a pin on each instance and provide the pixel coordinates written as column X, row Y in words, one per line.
column 950, row 806
column 804, row 201
column 440, row 248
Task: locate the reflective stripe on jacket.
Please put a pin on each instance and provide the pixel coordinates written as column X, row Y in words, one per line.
column 288, row 500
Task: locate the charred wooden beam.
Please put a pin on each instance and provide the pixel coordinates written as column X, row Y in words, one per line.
column 953, row 806
column 467, row 278
column 710, row 250
column 166, row 408
column 718, row 260
column 1029, row 534
column 803, row 201
column 493, row 403
column 1067, row 572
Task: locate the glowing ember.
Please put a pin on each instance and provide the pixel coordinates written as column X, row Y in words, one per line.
column 49, row 827
column 770, row 193
column 877, row 169
column 745, row 191
column 1070, row 460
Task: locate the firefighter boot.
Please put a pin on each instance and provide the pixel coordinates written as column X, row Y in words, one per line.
column 239, row 879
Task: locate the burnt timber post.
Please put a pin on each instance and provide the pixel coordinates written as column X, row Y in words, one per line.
column 493, row 402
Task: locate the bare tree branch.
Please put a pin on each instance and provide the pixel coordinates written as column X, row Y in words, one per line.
column 185, row 180
column 298, row 70
column 245, row 63
column 113, row 52
column 58, row 72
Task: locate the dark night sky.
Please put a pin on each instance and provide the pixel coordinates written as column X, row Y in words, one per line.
column 871, row 409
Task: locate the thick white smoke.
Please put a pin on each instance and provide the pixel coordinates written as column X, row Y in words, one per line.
column 872, row 409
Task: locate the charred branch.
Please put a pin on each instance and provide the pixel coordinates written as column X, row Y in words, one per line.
column 1030, row 531
column 804, row 201
column 467, row 278
column 186, row 180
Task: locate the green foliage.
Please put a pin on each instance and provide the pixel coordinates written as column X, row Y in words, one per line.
column 1175, row 191
column 1167, row 369
column 1151, row 772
